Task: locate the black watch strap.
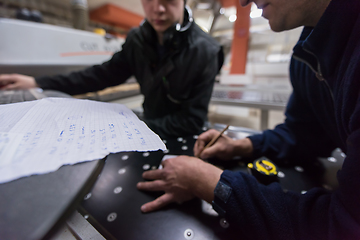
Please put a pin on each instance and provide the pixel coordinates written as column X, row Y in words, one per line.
column 222, row 194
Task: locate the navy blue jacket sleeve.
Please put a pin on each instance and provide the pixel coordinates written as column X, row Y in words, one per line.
column 267, row 212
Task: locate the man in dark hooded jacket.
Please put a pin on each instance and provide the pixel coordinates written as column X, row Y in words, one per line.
column 172, row 59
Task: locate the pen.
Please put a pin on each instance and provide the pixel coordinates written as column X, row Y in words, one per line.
column 213, row 140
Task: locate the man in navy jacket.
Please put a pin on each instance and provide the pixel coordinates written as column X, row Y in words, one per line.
column 323, row 113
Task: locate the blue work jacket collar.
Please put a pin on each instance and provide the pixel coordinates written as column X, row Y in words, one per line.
column 321, row 47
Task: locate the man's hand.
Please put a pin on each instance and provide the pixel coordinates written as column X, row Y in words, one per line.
column 16, row 82
column 224, row 148
column 182, row 178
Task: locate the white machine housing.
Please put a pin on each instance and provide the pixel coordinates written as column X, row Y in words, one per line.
column 39, row 49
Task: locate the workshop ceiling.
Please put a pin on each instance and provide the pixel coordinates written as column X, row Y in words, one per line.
column 265, row 45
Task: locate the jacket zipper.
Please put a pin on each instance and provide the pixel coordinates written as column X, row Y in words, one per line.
column 318, row 73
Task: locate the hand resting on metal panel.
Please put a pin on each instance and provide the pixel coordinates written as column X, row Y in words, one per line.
column 181, row 178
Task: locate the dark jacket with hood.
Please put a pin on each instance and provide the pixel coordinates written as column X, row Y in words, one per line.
column 176, row 79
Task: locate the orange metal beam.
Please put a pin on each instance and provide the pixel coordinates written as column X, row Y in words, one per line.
column 239, row 47
column 114, row 15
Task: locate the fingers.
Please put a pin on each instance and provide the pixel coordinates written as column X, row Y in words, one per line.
column 8, row 78
column 16, row 81
column 4, row 77
column 153, row 174
column 9, row 86
column 202, row 140
column 198, row 147
column 209, row 152
column 158, row 203
column 169, row 161
column 5, row 80
column 157, row 185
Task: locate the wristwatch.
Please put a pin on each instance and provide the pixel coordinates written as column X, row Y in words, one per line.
column 222, row 194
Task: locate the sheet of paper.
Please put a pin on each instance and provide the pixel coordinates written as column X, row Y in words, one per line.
column 40, row 136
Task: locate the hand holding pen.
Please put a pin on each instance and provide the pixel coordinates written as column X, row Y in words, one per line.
column 215, row 144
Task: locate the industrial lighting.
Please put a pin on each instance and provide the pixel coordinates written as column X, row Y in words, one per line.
column 203, row 6
column 232, row 18
column 256, row 13
column 272, row 58
column 222, row 10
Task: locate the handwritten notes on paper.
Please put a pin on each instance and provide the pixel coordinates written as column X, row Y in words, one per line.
column 41, row 136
